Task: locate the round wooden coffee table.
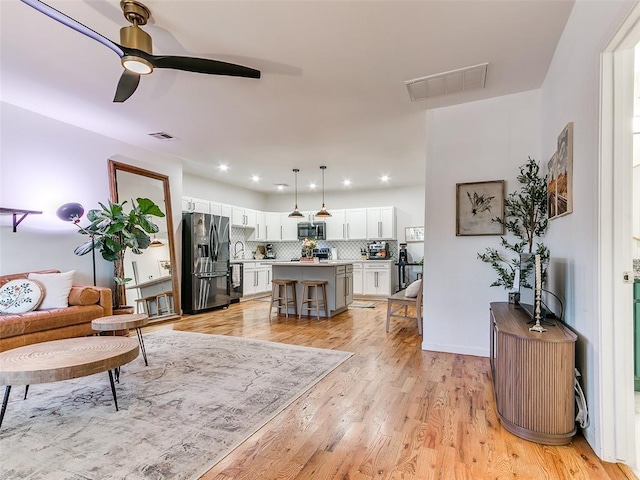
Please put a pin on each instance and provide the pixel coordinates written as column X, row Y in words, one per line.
column 59, row 360
column 113, row 323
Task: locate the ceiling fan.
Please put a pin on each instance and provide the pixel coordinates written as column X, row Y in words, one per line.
column 135, row 49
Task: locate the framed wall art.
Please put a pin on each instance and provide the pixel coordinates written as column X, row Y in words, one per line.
column 477, row 204
column 560, row 176
column 414, row 234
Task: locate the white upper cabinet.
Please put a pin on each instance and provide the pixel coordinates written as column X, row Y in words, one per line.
column 356, row 222
column 259, row 234
column 289, row 227
column 336, row 225
column 350, row 224
column 243, row 217
column 274, row 232
column 381, row 223
column 190, row 204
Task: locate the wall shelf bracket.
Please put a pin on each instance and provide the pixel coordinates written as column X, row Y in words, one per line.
column 18, row 211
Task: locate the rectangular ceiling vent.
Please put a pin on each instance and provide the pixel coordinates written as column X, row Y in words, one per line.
column 164, row 136
column 446, row 83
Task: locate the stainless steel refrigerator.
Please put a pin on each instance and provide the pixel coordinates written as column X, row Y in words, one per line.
column 205, row 262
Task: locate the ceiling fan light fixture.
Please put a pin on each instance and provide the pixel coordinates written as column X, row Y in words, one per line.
column 323, row 211
column 136, row 65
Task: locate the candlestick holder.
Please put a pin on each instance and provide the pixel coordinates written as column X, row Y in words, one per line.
column 538, row 327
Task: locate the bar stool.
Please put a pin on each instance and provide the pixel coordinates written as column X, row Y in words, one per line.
column 280, row 296
column 310, row 297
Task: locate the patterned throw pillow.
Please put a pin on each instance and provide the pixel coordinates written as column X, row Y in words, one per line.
column 20, row 296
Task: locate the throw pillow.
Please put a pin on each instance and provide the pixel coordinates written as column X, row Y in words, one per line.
column 413, row 289
column 83, row 296
column 20, row 296
column 57, row 287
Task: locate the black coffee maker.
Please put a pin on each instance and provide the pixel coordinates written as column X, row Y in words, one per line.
column 269, row 251
column 403, row 257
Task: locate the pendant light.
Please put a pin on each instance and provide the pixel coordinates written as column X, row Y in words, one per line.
column 156, row 242
column 296, row 213
column 323, row 211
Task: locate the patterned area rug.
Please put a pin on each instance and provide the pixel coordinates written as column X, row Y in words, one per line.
column 199, row 398
column 359, row 304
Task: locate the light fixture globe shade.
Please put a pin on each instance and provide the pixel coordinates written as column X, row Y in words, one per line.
column 70, row 212
column 136, row 65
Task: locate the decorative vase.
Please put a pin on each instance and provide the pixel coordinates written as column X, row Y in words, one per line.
column 309, row 253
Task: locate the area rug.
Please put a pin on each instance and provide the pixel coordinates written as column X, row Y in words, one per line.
column 359, row 304
column 199, row 398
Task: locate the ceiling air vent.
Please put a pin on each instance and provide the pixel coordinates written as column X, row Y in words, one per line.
column 445, row 83
column 164, row 136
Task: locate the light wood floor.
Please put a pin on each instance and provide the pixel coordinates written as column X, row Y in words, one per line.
column 392, row 411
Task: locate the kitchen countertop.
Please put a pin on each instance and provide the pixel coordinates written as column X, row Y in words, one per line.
column 324, row 263
column 280, row 260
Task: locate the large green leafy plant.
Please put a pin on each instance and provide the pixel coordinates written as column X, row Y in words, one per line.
column 113, row 231
column 525, row 220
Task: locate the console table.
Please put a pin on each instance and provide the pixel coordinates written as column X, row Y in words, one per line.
column 533, row 376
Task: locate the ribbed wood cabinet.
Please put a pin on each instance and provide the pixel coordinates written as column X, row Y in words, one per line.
column 533, row 375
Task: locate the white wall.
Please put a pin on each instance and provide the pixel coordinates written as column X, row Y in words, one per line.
column 571, row 93
column 45, row 163
column 209, row 189
column 480, row 141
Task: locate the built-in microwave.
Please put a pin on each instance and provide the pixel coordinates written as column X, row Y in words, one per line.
column 315, row 230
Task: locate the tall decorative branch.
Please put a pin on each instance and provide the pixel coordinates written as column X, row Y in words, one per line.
column 525, row 221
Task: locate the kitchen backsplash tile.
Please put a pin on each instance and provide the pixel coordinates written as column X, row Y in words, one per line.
column 347, row 250
column 636, row 267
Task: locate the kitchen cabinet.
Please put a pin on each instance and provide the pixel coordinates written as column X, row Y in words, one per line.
column 344, row 286
column 335, row 225
column 190, row 204
column 220, row 209
column 381, row 223
column 274, row 232
column 348, row 224
column 256, row 278
column 358, row 287
column 243, row 217
column 377, row 279
column 289, row 228
column 259, row 234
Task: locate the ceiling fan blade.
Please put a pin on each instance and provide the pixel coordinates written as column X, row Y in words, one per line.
column 202, row 65
column 126, row 86
column 74, row 24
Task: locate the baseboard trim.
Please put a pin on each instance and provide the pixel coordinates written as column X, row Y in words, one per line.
column 458, row 349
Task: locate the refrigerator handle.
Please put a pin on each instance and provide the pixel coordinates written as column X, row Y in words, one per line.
column 216, row 240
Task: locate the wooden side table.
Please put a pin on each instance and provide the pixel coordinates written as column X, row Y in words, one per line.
column 63, row 360
column 113, row 323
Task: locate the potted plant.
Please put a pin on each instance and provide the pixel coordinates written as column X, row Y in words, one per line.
column 525, row 219
column 113, row 231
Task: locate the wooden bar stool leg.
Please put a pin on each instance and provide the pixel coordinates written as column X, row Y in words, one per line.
column 317, row 303
column 302, row 300
column 295, row 301
column 273, row 292
column 324, row 300
column 286, row 301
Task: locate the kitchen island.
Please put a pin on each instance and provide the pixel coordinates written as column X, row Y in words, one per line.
column 338, row 274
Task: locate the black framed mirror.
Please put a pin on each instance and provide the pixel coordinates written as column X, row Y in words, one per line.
column 155, row 287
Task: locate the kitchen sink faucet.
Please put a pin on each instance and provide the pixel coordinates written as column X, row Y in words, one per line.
column 235, row 249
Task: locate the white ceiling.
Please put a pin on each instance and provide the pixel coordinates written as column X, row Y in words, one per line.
column 332, row 88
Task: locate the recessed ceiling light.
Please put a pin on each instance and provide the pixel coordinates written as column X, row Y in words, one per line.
column 255, row 178
column 223, row 167
column 281, row 186
column 312, row 185
column 346, row 183
column 384, row 178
